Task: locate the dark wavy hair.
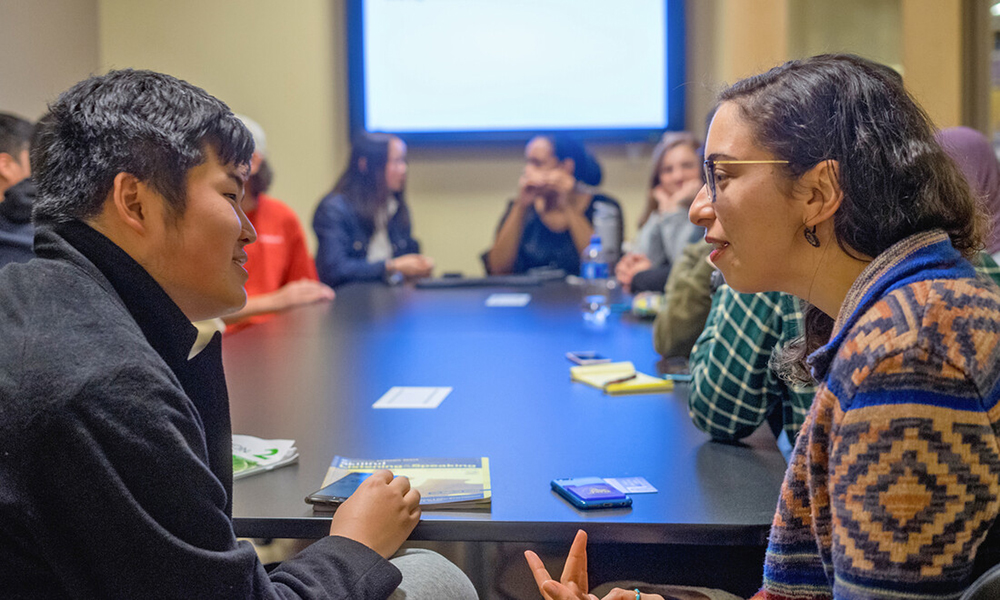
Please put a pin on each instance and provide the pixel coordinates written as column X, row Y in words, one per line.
column 148, row 124
column 366, row 189
column 895, row 177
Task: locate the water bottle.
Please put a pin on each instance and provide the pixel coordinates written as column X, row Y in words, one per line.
column 607, row 222
column 594, row 272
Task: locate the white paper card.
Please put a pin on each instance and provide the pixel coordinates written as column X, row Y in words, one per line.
column 412, row 397
column 631, row 485
column 508, row 299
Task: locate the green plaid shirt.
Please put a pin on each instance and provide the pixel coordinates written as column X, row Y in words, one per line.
column 732, row 389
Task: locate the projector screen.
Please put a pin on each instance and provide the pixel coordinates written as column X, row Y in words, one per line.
column 464, row 70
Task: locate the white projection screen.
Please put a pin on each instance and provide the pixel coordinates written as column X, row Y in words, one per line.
column 465, row 70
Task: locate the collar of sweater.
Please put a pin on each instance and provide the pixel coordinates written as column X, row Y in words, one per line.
column 922, row 256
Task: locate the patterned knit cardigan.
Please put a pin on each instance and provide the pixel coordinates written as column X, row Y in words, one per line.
column 894, row 481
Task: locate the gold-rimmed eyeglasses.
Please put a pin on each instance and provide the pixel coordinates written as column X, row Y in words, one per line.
column 710, row 170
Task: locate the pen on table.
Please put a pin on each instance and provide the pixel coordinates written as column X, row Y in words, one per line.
column 622, row 380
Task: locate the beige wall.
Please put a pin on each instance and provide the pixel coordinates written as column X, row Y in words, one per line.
column 932, row 57
column 286, row 68
column 45, row 46
column 278, row 62
column 283, row 63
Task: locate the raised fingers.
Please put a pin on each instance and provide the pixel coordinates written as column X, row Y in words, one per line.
column 538, row 570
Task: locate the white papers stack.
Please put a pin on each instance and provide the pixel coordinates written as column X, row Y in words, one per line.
column 253, row 455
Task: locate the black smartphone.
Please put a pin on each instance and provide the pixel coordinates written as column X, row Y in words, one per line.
column 333, row 495
column 590, row 492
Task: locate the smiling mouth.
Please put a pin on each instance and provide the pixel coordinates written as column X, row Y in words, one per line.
column 720, row 247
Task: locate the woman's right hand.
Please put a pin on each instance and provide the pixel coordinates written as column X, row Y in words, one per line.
column 573, row 584
column 380, row 514
column 411, row 265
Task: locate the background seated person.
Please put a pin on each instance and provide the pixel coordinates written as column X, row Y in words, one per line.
column 978, row 162
column 282, row 273
column 555, row 212
column 17, row 191
column 363, row 224
column 664, row 229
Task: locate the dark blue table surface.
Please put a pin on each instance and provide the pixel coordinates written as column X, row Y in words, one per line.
column 313, row 374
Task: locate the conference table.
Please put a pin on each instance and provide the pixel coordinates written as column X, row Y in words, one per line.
column 313, row 373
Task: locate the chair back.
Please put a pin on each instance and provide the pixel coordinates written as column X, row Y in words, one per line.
column 987, row 587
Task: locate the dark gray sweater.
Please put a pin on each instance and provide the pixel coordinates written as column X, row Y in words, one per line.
column 115, row 450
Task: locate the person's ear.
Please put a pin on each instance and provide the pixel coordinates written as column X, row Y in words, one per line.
column 132, row 202
column 363, row 164
column 822, row 194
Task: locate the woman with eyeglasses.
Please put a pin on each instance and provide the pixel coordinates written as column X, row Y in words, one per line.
column 824, row 180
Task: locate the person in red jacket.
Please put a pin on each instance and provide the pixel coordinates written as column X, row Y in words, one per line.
column 282, row 272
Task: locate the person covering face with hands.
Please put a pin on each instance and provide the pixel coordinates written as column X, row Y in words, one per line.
column 552, row 218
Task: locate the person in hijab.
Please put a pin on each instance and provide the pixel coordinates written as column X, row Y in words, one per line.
column 978, row 162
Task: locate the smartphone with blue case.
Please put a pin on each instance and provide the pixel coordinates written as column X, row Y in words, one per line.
column 591, row 492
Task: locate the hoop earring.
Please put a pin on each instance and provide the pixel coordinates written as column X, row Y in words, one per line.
column 810, row 233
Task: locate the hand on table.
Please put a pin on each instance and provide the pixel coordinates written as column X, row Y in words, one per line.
column 629, row 265
column 303, row 291
column 411, row 265
column 380, row 514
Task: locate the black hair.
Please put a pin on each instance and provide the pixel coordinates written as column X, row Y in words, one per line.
column 586, row 168
column 148, row 124
column 15, row 134
column 366, row 189
column 895, row 177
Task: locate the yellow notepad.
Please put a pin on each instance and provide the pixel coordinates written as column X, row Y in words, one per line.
column 617, row 378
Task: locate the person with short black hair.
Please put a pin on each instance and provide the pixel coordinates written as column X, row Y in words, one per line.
column 556, row 211
column 17, row 190
column 15, row 136
column 116, row 478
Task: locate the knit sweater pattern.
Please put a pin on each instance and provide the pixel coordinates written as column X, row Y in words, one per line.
column 895, row 478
